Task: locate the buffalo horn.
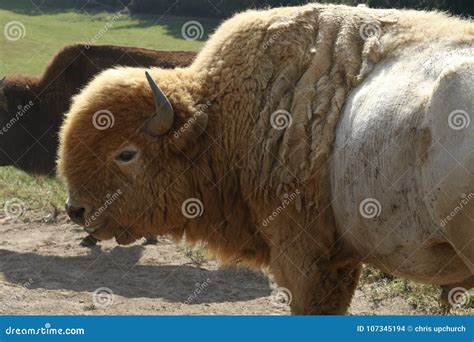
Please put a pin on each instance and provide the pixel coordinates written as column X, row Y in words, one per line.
column 161, row 122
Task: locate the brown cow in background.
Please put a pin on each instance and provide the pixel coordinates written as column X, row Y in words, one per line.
column 32, row 108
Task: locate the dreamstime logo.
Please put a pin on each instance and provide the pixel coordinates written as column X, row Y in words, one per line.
column 287, row 199
column 370, row 29
column 281, row 296
column 14, row 30
column 103, row 119
column 192, row 30
column 103, row 296
column 281, row 119
column 47, row 329
column 110, row 22
column 465, row 199
column 201, row 109
column 27, row 284
column 22, row 110
column 458, row 297
column 370, row 208
column 280, row 26
column 192, row 208
column 273, row 38
column 458, row 119
column 14, row 208
column 200, row 287
column 109, row 199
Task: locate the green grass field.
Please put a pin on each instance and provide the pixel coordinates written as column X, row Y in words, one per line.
column 46, row 31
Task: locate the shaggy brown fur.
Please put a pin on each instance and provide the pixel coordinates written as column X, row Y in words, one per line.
column 304, row 60
column 31, row 143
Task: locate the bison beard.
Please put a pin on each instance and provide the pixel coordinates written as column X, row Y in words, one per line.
column 235, row 156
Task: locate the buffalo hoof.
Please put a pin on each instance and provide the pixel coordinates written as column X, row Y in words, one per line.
column 151, row 240
column 89, row 241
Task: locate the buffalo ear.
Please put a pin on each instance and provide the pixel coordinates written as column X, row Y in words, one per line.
column 191, row 128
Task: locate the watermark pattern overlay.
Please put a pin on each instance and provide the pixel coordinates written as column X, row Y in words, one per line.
column 192, row 30
column 14, row 30
column 287, row 200
column 192, row 208
column 201, row 109
column 370, row 30
column 200, row 288
column 458, row 297
column 21, row 110
column 281, row 119
column 14, row 208
column 107, row 26
column 281, row 297
column 110, row 198
column 103, row 296
column 370, row 208
column 459, row 119
column 103, row 119
column 27, row 284
column 273, row 38
column 465, row 199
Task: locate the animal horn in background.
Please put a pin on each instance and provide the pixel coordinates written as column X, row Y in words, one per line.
column 162, row 121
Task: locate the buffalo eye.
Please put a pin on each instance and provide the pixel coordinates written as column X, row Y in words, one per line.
column 126, row 156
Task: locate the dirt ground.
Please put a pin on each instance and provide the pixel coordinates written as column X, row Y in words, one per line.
column 43, row 270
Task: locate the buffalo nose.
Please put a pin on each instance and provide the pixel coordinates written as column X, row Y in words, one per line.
column 75, row 213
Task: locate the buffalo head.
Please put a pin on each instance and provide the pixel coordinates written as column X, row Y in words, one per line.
column 126, row 168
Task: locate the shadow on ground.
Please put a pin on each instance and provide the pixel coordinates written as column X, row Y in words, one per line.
column 119, row 270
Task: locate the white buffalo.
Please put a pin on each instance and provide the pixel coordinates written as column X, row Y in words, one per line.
column 404, row 152
column 307, row 139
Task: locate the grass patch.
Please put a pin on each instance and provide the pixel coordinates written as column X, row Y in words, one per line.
column 196, row 255
column 36, row 192
column 47, row 30
column 379, row 288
